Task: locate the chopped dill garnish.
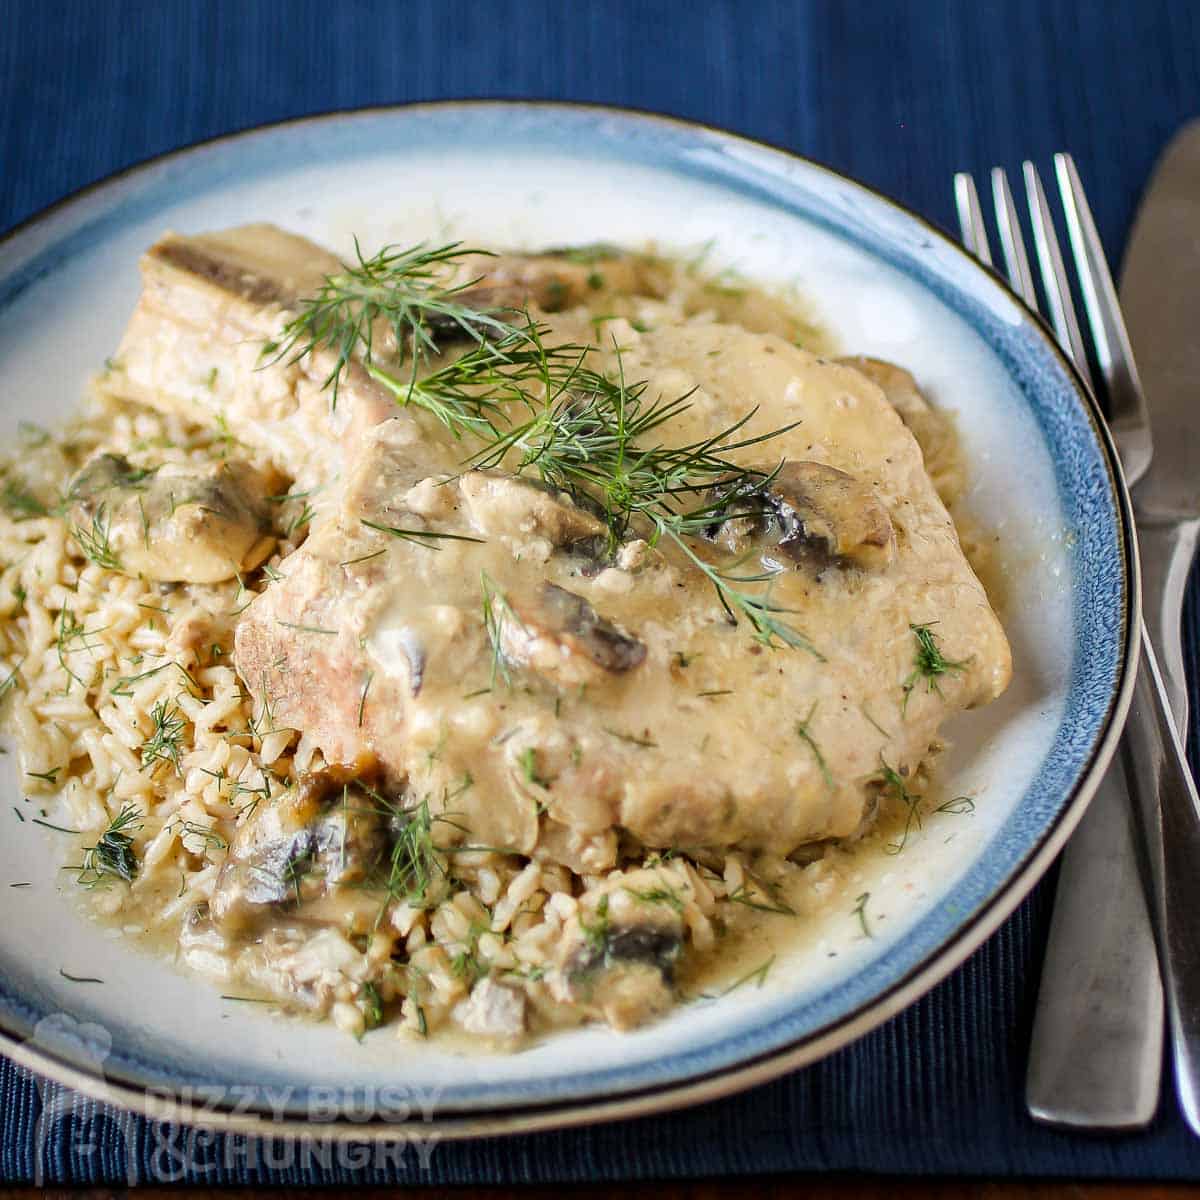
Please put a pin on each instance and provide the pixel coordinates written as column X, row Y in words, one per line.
column 362, row 700
column 51, row 825
column 94, row 543
column 20, row 814
column 209, row 836
column 496, row 613
column 371, row 1005
column 302, row 519
column 528, row 761
column 758, row 975
column 50, row 776
column 168, row 724
column 860, row 911
column 361, row 558
column 305, row 628
column 759, row 610
column 20, row 885
column 596, row 932
column 893, row 782
column 69, row 630
column 123, row 686
column 112, row 856
column 79, row 978
column 957, row 805
column 928, row 663
column 742, row 895
column 415, row 860
column 633, row 738
column 419, row 537
column 661, row 893
column 863, row 709
column 717, row 692
column 804, row 733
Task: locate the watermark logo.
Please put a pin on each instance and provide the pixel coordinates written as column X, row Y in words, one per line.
column 164, row 1147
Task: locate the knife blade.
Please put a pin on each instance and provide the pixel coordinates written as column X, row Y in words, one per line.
column 1160, row 297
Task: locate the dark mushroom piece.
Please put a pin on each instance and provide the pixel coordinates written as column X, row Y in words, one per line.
column 561, row 636
column 818, row 506
column 814, row 513
column 178, row 522
column 619, row 962
column 298, row 848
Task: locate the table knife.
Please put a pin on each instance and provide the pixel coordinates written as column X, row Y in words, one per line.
column 1160, row 297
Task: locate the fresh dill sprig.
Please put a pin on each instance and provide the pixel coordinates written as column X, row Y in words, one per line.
column 593, row 440
column 589, row 435
column 928, row 663
column 957, row 805
column 210, row 837
column 95, row 543
column 757, row 608
column 597, row 931
column 166, row 735
column 860, row 911
column 416, row 862
column 893, row 783
column 758, row 976
column 112, row 856
column 11, row 682
column 496, row 613
column 401, row 289
column 742, row 895
column 419, row 537
column 473, row 393
column 803, row 732
column 661, row 893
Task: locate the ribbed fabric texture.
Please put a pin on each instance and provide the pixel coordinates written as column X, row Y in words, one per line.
column 897, row 94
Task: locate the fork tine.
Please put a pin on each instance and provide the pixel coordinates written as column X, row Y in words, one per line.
column 1011, row 240
column 970, row 217
column 1054, row 273
column 1113, row 354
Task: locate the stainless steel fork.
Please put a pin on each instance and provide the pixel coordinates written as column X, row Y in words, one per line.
column 1096, row 1053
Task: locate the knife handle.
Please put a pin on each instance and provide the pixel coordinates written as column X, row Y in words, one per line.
column 1095, row 1058
column 1166, row 550
column 1170, row 811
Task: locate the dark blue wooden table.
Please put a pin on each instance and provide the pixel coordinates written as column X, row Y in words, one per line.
column 897, row 94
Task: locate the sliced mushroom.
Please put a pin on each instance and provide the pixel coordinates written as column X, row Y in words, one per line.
column 501, row 504
column 179, row 522
column 820, row 508
column 299, row 847
column 618, row 956
column 561, row 636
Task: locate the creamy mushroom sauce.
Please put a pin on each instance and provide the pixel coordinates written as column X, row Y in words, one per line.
column 470, row 648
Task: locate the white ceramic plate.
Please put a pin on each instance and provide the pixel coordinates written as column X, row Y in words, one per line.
column 526, row 175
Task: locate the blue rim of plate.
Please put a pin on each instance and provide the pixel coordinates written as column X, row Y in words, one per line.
column 1106, row 591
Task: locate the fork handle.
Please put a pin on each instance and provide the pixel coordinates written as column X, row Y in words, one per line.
column 1170, row 811
column 1166, row 550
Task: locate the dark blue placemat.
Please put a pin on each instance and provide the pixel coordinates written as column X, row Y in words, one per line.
column 899, row 95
